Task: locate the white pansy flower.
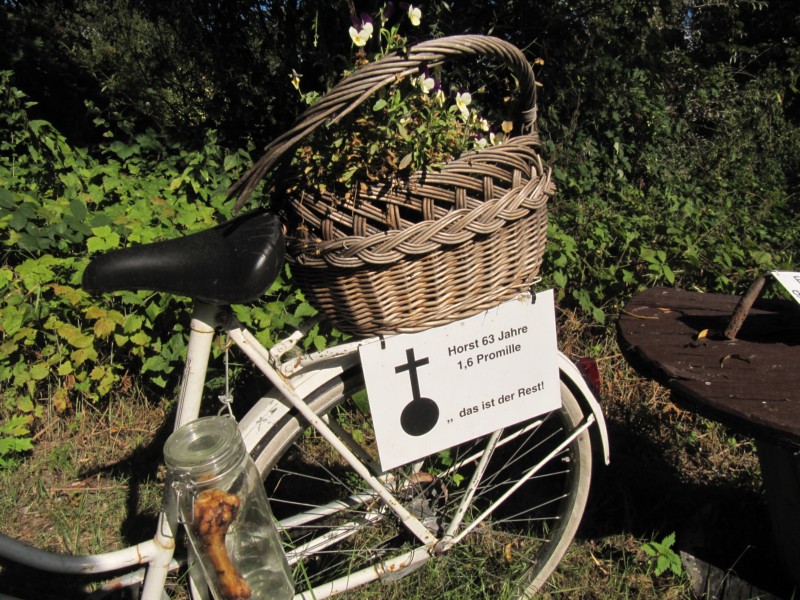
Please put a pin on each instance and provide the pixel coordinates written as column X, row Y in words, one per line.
column 360, row 32
column 426, row 83
column 414, row 15
column 463, row 100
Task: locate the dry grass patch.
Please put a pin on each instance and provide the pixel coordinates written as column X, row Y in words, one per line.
column 90, row 485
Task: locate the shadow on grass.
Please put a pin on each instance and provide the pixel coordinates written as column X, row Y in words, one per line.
column 720, row 521
column 137, row 468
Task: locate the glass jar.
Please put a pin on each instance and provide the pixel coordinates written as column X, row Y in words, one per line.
column 221, row 500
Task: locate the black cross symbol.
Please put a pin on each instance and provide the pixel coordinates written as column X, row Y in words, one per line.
column 411, row 367
column 421, row 414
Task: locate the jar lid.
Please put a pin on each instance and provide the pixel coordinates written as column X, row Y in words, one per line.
column 204, row 446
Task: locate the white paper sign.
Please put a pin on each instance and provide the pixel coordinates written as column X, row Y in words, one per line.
column 432, row 390
column 791, row 281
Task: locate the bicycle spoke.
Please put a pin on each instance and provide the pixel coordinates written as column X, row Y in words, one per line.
column 338, row 531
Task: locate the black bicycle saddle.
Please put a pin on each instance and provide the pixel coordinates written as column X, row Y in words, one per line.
column 232, row 263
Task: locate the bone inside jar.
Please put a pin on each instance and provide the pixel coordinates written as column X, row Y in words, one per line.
column 219, row 496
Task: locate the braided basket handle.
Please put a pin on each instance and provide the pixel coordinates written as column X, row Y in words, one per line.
column 354, row 89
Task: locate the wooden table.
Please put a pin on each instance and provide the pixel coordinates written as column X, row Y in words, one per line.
column 751, row 383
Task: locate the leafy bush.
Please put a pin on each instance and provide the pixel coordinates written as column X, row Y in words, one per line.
column 660, row 189
column 674, row 135
column 180, row 68
column 61, row 205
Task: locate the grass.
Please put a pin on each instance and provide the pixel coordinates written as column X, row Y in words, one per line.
column 93, row 484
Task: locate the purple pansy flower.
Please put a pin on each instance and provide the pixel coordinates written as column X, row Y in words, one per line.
column 361, row 30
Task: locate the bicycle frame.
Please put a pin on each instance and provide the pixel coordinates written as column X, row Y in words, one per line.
column 293, row 380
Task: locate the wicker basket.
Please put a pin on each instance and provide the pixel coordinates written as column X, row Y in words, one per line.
column 409, row 255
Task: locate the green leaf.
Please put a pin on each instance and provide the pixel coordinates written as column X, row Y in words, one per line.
column 104, row 239
column 231, row 162
column 16, row 426
column 78, row 209
column 70, row 294
column 6, row 199
column 25, row 404
column 13, row 318
column 39, row 371
column 320, row 342
column 35, row 272
column 95, row 312
column 379, row 105
column 152, row 310
column 9, row 445
column 124, row 150
column 104, row 327
column 140, row 338
column 81, row 355
column 132, row 323
column 74, row 336
column 304, row 310
column 155, row 363
column 65, row 368
column 18, row 220
column 662, row 564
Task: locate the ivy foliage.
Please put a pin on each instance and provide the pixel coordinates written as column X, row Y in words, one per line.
column 61, row 205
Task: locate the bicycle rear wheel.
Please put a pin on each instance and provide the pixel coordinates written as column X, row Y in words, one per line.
column 339, row 535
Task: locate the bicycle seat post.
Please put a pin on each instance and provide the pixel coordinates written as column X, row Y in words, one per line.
column 205, row 320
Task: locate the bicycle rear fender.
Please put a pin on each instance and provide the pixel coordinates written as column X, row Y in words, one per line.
column 271, row 408
column 573, row 378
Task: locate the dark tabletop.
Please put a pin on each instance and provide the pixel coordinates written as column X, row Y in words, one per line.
column 751, row 384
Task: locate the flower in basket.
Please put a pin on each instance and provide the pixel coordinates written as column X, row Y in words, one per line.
column 361, row 30
column 463, row 100
column 390, row 187
column 414, row 14
column 418, row 123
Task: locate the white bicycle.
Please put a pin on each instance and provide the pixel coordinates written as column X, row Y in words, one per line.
column 505, row 506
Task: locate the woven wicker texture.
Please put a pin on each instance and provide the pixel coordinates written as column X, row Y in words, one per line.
column 407, row 255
